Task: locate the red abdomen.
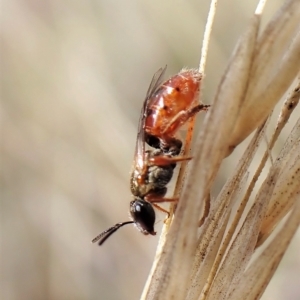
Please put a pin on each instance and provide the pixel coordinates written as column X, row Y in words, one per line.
column 175, row 96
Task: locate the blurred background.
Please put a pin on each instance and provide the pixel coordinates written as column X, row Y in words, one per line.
column 73, row 78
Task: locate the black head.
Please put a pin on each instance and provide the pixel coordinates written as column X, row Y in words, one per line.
column 143, row 215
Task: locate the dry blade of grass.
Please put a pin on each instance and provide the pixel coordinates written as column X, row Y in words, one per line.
column 256, row 278
column 275, row 66
column 222, row 207
column 210, row 238
column 243, row 245
column 284, row 193
column 212, row 262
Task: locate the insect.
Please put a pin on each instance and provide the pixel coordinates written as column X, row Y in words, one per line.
column 166, row 108
column 170, row 107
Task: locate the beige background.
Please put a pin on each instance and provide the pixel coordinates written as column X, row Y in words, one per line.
column 73, row 79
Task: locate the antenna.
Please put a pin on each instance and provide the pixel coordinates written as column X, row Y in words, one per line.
column 103, row 236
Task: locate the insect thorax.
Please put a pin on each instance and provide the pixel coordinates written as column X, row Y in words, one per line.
column 157, row 177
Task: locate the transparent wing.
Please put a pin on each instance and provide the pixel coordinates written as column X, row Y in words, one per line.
column 156, row 82
column 139, row 156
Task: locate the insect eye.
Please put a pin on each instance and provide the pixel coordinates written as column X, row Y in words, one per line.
column 143, row 216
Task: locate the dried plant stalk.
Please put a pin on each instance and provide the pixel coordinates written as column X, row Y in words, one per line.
column 275, row 66
column 211, row 263
column 240, row 252
column 256, row 278
column 223, row 203
column 284, row 194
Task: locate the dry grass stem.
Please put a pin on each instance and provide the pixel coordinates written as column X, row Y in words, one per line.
column 243, row 245
column 275, row 66
column 272, row 218
column 255, row 280
column 288, row 185
column 223, row 206
column 213, row 262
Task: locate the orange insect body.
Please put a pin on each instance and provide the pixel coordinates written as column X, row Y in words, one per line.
column 171, row 106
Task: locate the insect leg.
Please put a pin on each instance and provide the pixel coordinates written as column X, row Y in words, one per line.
column 162, row 209
column 182, row 117
column 163, row 160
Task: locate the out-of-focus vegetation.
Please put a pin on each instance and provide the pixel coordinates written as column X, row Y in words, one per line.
column 73, row 78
